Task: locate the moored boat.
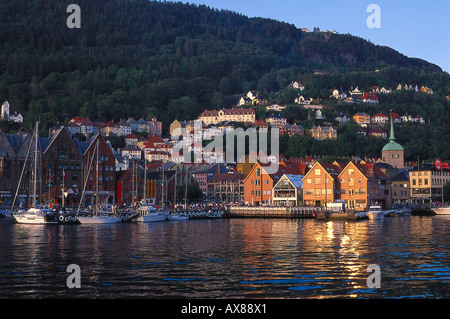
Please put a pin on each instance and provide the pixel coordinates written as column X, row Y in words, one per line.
column 150, row 214
column 375, row 212
column 98, row 215
column 99, row 219
column 178, row 217
column 441, row 210
column 36, row 215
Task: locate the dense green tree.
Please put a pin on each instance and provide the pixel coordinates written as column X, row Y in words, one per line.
column 172, row 60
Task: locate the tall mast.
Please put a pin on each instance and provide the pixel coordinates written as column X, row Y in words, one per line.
column 175, row 191
column 132, row 182
column 185, row 190
column 418, row 177
column 97, row 194
column 145, row 177
column 35, row 165
column 162, row 187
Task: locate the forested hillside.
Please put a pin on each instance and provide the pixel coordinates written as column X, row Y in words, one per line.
column 143, row 58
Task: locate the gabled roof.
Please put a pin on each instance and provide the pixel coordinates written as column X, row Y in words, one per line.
column 296, row 180
column 45, row 143
column 332, row 170
column 403, row 176
column 15, row 141
column 369, row 170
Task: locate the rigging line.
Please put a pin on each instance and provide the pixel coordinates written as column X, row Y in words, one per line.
column 85, row 183
column 21, row 175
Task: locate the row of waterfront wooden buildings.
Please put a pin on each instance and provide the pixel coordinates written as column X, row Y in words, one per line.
column 65, row 173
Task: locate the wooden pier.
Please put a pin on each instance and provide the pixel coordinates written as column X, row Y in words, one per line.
column 271, row 212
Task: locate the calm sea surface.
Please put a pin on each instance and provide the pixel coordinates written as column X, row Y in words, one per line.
column 229, row 258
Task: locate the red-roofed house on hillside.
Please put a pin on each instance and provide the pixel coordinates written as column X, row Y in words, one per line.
column 369, row 98
column 262, row 126
column 380, row 118
column 377, row 132
column 131, row 139
column 291, row 129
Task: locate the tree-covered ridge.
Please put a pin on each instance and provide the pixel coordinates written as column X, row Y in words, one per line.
column 142, row 58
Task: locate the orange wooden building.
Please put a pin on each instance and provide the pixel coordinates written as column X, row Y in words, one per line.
column 319, row 184
column 361, row 185
column 259, row 182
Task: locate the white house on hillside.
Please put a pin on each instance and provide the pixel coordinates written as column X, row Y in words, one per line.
column 5, row 114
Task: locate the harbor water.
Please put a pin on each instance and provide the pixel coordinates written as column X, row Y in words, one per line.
column 229, row 258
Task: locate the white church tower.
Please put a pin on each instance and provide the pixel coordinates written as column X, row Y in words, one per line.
column 5, row 111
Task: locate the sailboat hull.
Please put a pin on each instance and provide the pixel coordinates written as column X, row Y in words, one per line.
column 152, row 217
column 99, row 220
column 442, row 211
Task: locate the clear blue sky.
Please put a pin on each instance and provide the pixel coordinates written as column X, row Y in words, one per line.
column 419, row 29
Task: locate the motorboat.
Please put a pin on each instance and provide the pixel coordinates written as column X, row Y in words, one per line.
column 375, row 212
column 178, row 217
column 150, row 214
column 36, row 215
column 99, row 219
column 441, row 210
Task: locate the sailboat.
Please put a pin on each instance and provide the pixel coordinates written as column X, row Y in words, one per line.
column 35, row 214
column 146, row 212
column 98, row 216
column 175, row 216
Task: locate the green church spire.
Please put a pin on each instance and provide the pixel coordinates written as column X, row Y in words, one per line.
column 392, row 137
column 392, row 145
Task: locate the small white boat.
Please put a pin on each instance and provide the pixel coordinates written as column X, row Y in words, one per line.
column 150, row 214
column 177, row 217
column 101, row 219
column 36, row 216
column 375, row 212
column 441, row 210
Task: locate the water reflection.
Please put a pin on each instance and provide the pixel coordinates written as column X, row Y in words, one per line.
column 236, row 258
